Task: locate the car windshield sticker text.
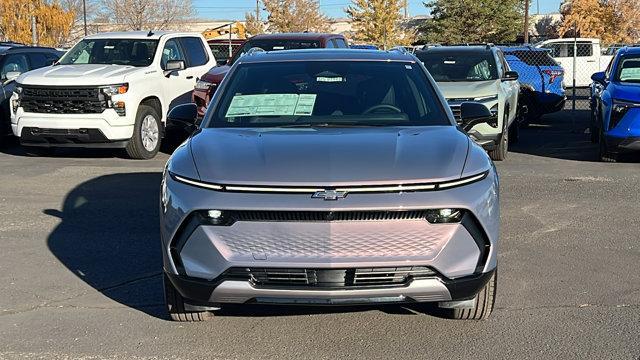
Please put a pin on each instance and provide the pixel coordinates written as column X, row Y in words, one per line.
column 271, row 104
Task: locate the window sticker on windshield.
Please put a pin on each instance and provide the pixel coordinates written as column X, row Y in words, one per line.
column 450, row 62
column 630, row 74
column 271, row 104
column 305, row 104
column 408, row 67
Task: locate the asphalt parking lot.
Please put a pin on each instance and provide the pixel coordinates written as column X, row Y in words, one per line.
column 80, row 272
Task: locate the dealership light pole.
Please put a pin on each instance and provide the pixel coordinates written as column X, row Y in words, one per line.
column 526, row 21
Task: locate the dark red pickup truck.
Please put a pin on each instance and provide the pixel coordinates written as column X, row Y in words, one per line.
column 207, row 84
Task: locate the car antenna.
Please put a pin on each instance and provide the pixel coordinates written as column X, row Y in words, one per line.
column 150, row 33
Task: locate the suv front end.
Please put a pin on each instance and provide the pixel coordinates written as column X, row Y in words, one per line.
column 331, row 209
column 44, row 115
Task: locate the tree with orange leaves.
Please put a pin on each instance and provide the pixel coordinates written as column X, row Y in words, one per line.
column 53, row 23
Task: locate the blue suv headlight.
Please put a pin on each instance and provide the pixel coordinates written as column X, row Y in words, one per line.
column 619, row 110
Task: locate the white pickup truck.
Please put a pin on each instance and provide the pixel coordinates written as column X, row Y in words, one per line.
column 110, row 90
column 589, row 58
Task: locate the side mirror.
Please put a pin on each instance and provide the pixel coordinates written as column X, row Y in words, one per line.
column 174, row 65
column 11, row 76
column 510, row 76
column 184, row 116
column 473, row 113
column 222, row 62
column 599, row 77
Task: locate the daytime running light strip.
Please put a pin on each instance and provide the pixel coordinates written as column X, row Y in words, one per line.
column 363, row 189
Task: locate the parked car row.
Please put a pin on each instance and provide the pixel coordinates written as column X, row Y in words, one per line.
column 114, row 89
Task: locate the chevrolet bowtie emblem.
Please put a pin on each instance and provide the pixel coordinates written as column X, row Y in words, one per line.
column 329, row 194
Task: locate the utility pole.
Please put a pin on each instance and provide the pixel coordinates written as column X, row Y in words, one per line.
column 84, row 14
column 526, row 21
column 258, row 10
column 538, row 5
column 406, row 9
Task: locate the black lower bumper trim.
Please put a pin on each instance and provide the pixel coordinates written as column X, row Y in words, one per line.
column 33, row 136
column 199, row 291
column 467, row 287
column 622, row 145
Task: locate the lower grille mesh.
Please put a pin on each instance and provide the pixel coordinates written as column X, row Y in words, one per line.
column 330, row 278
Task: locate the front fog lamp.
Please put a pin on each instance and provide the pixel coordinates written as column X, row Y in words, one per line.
column 216, row 217
column 444, row 216
column 214, row 214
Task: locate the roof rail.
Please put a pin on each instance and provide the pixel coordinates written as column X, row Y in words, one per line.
column 254, row 50
column 400, row 49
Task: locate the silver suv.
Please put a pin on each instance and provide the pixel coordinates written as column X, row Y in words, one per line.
column 329, row 178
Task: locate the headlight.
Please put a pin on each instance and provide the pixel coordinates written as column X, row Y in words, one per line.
column 619, row 110
column 203, row 85
column 444, row 216
column 116, row 89
column 486, row 98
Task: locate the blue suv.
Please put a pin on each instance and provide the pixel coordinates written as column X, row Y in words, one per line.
column 540, row 78
column 615, row 105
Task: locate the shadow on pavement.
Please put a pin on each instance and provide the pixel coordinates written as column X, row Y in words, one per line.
column 558, row 136
column 109, row 238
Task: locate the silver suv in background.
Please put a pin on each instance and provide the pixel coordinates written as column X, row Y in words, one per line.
column 478, row 73
column 329, row 177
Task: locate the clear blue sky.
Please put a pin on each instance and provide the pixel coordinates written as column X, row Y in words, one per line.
column 235, row 9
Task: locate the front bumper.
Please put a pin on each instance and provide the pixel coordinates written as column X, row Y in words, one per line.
column 213, row 293
column 197, row 255
column 109, row 124
column 623, row 144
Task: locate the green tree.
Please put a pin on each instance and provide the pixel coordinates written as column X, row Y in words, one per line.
column 471, row 21
column 296, row 16
column 379, row 22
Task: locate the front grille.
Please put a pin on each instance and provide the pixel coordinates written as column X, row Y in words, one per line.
column 330, row 278
column 456, row 112
column 62, row 100
column 323, row 216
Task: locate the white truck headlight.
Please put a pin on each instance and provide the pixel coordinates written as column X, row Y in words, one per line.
column 116, row 89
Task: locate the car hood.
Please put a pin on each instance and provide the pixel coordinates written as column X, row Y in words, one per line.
column 626, row 91
column 468, row 89
column 90, row 74
column 216, row 74
column 329, row 156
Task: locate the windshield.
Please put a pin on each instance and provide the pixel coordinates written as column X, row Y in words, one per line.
column 133, row 52
column 629, row 70
column 461, row 66
column 275, row 45
column 328, row 93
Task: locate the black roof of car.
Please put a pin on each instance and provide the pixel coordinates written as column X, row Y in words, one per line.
column 457, row 49
column 296, row 36
column 327, row 55
column 6, row 48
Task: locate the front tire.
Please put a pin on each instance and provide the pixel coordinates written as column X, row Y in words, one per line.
column 485, row 300
column 500, row 152
column 175, row 305
column 605, row 155
column 145, row 142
